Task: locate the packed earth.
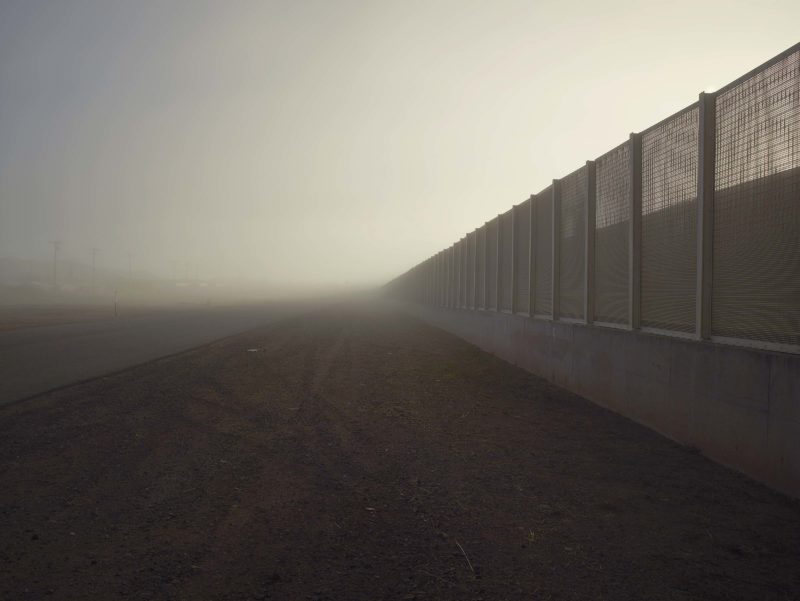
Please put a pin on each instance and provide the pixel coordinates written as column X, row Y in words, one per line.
column 356, row 453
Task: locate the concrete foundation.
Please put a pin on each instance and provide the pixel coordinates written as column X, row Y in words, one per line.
column 740, row 407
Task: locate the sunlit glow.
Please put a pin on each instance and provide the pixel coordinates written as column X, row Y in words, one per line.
column 328, row 143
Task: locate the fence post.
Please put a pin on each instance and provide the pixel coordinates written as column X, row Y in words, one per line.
column 591, row 197
column 453, row 276
column 434, row 268
column 513, row 281
column 428, row 280
column 457, row 273
column 556, row 242
column 635, row 235
column 531, row 255
column 705, row 213
column 475, row 304
column 439, row 286
column 462, row 273
column 497, row 269
column 464, row 277
column 445, row 277
column 484, row 304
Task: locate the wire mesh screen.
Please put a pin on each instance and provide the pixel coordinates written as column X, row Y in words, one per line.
column 459, row 275
column 451, row 259
column 425, row 281
column 471, row 238
column 522, row 255
column 428, row 281
column 612, row 235
column 756, row 255
column 543, row 252
column 506, row 250
column 464, row 271
column 491, row 264
column 440, row 278
column 669, row 223
column 443, row 278
column 480, row 262
column 572, row 249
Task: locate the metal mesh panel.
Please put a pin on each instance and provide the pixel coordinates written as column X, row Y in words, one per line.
column 464, row 272
column 756, row 254
column 435, row 279
column 506, row 249
column 446, row 277
column 442, row 277
column 438, row 279
column 543, row 255
column 669, row 223
column 612, row 235
column 480, row 261
column 456, row 274
column 522, row 255
column 428, row 281
column 572, row 249
column 425, row 280
column 491, row 264
column 453, row 292
column 462, row 276
column 431, row 283
column 422, row 281
column 471, row 238
column 451, row 302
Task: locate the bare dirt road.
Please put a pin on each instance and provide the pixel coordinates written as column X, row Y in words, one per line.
column 36, row 359
column 359, row 454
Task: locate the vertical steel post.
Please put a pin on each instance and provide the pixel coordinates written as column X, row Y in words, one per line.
column 635, row 235
column 531, row 255
column 459, row 271
column 469, row 297
column 556, row 243
column 484, row 304
column 513, row 282
column 464, row 265
column 453, row 278
column 591, row 203
column 462, row 276
column 448, row 276
column 432, row 280
column 453, row 281
column 705, row 213
column 439, row 278
column 475, row 304
column 497, row 269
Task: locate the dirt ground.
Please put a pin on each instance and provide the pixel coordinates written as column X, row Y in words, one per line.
column 15, row 317
column 359, row 454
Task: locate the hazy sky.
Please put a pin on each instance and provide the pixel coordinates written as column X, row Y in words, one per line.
column 329, row 141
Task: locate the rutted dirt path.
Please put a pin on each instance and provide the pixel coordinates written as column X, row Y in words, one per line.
column 359, row 454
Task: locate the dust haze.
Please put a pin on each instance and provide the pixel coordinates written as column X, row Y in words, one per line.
column 213, row 150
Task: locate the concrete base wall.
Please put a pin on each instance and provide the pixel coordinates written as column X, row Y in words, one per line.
column 740, row 407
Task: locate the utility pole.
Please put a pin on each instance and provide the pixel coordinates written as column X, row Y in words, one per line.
column 56, row 247
column 130, row 266
column 94, row 254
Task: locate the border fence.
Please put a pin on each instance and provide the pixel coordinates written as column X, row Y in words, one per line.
column 690, row 228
